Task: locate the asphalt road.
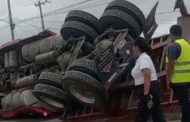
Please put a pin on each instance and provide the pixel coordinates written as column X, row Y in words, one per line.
column 32, row 120
column 46, row 120
column 171, row 116
column 51, row 120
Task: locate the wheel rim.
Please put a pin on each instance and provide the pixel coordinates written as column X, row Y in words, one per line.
column 52, row 102
column 82, row 93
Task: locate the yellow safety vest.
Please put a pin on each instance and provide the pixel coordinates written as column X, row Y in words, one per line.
column 182, row 63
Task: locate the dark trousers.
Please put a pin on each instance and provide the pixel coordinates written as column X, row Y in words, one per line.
column 143, row 111
column 181, row 92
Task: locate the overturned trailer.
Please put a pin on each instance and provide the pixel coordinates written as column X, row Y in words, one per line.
column 84, row 72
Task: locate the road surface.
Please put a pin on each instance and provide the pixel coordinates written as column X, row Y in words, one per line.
column 32, row 120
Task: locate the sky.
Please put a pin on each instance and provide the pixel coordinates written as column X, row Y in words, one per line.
column 26, row 15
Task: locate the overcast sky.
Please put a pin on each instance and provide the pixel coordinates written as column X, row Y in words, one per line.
column 26, row 15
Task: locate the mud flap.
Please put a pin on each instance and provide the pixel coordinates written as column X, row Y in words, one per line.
column 181, row 5
column 150, row 24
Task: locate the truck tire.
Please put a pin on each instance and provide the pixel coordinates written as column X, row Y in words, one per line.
column 120, row 20
column 33, row 50
column 78, row 29
column 15, row 101
column 29, row 51
column 84, row 88
column 3, row 103
column 86, row 18
column 26, row 81
column 45, row 45
column 52, row 43
column 27, row 98
column 50, row 95
column 7, row 101
column 129, row 8
column 51, row 78
column 43, row 105
column 13, row 59
column 85, row 66
column 25, row 53
column 6, row 59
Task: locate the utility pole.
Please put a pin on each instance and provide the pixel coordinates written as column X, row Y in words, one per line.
column 39, row 4
column 12, row 25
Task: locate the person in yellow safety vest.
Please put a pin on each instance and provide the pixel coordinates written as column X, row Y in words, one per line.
column 178, row 69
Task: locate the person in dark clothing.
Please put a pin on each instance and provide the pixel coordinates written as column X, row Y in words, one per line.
column 178, row 69
column 147, row 85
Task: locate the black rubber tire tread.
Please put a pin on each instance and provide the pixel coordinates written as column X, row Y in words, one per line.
column 33, row 50
column 78, row 29
column 85, row 66
column 3, row 102
column 86, row 18
column 79, row 78
column 8, row 101
column 50, row 92
column 40, row 104
column 16, row 99
column 51, row 78
column 120, row 20
column 129, row 8
column 25, row 53
column 52, row 43
column 28, row 81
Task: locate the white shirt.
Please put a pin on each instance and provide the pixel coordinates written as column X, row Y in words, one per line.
column 144, row 61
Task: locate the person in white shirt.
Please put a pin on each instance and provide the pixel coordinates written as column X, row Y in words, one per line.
column 147, row 85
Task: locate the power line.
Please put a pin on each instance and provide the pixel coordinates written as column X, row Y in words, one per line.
column 19, row 3
column 81, row 7
column 90, row 5
column 48, row 21
column 70, row 6
column 3, row 28
column 46, row 15
column 29, row 4
column 168, row 12
column 85, row 6
column 24, row 30
column 35, row 26
column 4, row 20
column 57, row 4
column 22, row 3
